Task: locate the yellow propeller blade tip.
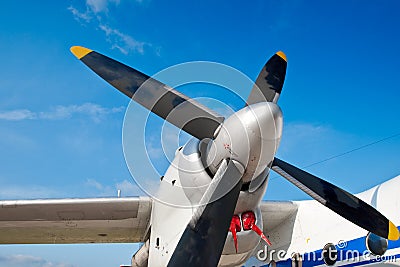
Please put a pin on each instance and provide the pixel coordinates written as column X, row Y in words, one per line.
column 393, row 232
column 80, row 51
column 282, row 55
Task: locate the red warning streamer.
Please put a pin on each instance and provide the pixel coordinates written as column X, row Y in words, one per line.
column 249, row 222
column 234, row 228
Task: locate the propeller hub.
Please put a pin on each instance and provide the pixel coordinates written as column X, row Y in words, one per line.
column 251, row 136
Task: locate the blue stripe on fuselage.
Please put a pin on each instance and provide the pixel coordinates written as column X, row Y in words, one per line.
column 344, row 254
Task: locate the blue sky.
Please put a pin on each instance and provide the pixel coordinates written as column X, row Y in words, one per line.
column 61, row 126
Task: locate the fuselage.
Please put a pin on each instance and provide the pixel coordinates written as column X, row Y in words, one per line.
column 313, row 226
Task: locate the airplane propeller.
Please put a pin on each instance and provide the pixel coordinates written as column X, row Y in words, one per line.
column 188, row 115
column 201, row 122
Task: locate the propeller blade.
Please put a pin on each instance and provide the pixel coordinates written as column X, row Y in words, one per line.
column 338, row 200
column 169, row 104
column 203, row 240
column 269, row 82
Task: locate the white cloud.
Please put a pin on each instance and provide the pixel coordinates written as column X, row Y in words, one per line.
column 27, row 192
column 95, row 184
column 99, row 9
column 28, row 260
column 121, row 41
column 127, row 188
column 94, row 188
column 94, row 111
column 17, row 115
column 80, row 16
column 99, row 6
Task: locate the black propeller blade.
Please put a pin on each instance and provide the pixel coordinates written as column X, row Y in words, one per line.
column 176, row 108
column 269, row 82
column 203, row 240
column 343, row 203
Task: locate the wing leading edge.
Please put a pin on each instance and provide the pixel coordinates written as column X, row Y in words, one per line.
column 68, row 221
column 275, row 213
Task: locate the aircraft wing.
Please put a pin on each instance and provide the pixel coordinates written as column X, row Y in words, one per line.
column 67, row 221
column 275, row 213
